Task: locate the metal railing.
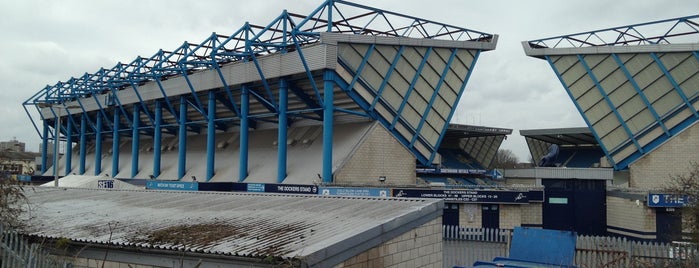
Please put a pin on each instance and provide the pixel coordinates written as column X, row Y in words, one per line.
column 463, row 246
column 15, row 251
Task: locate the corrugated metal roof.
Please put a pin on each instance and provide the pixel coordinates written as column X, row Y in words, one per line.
column 239, row 224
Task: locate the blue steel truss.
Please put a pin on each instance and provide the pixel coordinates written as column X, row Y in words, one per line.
column 287, row 33
column 650, row 33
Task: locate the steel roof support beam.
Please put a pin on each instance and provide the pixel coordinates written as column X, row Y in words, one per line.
column 379, row 91
column 640, row 93
column 98, row 146
column 435, row 94
column 458, row 97
column 328, row 107
column 211, row 136
column 44, row 146
column 283, row 127
column 157, row 138
column 609, row 102
column 115, row 144
column 244, row 103
column 83, row 143
column 410, row 88
column 675, row 86
column 182, row 153
column 135, row 140
column 56, row 140
column 580, row 110
column 69, row 145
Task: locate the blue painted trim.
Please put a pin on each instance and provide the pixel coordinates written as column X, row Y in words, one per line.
column 182, row 148
column 328, row 76
column 411, row 88
column 582, row 113
column 44, row 146
column 358, row 74
column 640, row 93
column 157, row 138
column 135, row 140
column 244, row 129
column 83, row 143
column 115, row 144
column 69, row 145
column 283, row 127
column 98, row 146
column 381, row 88
column 211, row 137
column 455, row 104
column 428, row 109
column 676, row 86
column 609, row 102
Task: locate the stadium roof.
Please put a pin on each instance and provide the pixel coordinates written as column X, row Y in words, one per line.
column 562, row 136
column 322, row 231
column 636, row 86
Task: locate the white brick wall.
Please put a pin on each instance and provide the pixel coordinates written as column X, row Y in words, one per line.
column 470, row 215
column 420, row 247
column 379, row 154
column 624, row 213
column 672, row 158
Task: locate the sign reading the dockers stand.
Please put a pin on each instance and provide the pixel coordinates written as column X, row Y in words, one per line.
column 473, row 196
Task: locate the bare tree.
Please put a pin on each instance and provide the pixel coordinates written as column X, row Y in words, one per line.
column 13, row 203
column 504, row 158
column 688, row 184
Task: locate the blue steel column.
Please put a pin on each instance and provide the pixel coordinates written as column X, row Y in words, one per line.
column 69, row 145
column 44, row 147
column 98, row 146
column 83, row 142
column 135, row 139
column 328, row 108
column 281, row 141
column 56, row 141
column 182, row 159
column 211, row 137
column 244, row 101
column 157, row 139
column 115, row 144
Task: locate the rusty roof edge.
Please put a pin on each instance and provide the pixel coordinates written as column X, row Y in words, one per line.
column 354, row 245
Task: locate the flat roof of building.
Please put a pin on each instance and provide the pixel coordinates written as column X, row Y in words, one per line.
column 320, row 230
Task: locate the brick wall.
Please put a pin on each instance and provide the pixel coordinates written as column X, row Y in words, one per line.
column 420, row 247
column 624, row 213
column 510, row 216
column 672, row 158
column 532, row 213
column 379, row 154
column 470, row 215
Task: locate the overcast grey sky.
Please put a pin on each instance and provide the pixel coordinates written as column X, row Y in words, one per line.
column 45, row 41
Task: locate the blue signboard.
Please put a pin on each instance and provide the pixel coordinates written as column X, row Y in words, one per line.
column 172, row 185
column 291, row 188
column 473, row 196
column 338, row 191
column 667, row 200
column 105, row 184
column 256, row 187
